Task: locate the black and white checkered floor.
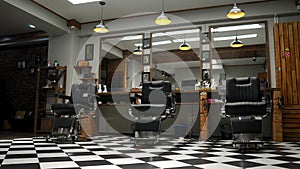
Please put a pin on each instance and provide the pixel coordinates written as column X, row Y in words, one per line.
column 115, row 152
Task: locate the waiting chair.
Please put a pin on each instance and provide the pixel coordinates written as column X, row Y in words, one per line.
column 246, row 107
column 157, row 104
column 67, row 116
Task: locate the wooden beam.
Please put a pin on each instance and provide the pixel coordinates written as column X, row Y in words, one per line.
column 74, row 24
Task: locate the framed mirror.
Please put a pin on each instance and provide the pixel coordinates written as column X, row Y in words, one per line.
column 121, row 62
column 172, row 62
column 251, row 59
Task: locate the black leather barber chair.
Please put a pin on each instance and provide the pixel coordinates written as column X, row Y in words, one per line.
column 67, row 116
column 246, row 106
column 157, row 104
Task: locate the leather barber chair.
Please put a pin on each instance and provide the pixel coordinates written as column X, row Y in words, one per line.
column 157, row 104
column 67, row 116
column 246, row 107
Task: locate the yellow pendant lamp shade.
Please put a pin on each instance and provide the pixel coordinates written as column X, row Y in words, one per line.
column 101, row 28
column 236, row 43
column 138, row 51
column 163, row 19
column 235, row 12
column 185, row 46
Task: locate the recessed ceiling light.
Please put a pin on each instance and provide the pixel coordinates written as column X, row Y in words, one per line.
column 31, row 26
column 82, row 1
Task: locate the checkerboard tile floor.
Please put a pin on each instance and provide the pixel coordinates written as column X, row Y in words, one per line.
column 118, row 152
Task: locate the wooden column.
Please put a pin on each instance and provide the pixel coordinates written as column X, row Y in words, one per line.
column 287, row 59
column 277, row 116
column 203, row 116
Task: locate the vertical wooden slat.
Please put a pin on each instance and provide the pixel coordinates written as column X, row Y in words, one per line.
column 296, row 27
column 288, row 64
column 292, row 60
column 283, row 65
column 277, row 56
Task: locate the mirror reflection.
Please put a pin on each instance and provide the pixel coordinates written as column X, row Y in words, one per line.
column 121, row 62
column 248, row 60
column 175, row 57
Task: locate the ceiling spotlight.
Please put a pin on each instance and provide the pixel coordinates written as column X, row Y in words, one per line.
column 101, row 28
column 235, row 12
column 184, row 46
column 138, row 51
column 163, row 19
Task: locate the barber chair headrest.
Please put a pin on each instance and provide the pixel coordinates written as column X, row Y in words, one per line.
column 242, row 80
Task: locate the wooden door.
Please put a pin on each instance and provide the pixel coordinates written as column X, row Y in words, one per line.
column 287, row 46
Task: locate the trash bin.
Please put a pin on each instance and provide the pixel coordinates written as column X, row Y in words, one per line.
column 180, row 130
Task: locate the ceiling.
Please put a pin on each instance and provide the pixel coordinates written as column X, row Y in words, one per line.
column 18, row 20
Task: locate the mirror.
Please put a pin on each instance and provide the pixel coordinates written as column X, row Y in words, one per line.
column 248, row 60
column 181, row 67
column 120, row 67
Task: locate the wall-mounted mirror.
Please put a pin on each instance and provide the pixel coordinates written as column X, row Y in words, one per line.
column 121, row 66
column 249, row 60
column 171, row 62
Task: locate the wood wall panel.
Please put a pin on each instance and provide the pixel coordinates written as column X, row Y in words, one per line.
column 287, row 37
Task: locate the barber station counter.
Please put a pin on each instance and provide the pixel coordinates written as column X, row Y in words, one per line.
column 115, row 115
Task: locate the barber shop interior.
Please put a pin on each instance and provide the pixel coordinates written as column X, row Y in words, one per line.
column 153, row 84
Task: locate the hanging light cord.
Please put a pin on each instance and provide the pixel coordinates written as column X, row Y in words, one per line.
column 102, row 4
column 163, row 5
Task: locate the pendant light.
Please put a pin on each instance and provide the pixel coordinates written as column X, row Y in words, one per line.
column 184, row 46
column 235, row 12
column 236, row 43
column 138, row 51
column 101, row 28
column 163, row 19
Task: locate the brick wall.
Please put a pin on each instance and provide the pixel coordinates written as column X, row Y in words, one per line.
column 20, row 84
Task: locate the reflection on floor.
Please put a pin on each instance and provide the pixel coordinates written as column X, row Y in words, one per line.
column 115, row 152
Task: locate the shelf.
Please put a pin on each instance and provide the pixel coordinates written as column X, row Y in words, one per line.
column 79, row 68
column 53, row 67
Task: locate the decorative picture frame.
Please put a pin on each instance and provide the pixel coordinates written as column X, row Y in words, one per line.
column 146, row 59
column 89, row 52
column 146, row 43
column 145, row 77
